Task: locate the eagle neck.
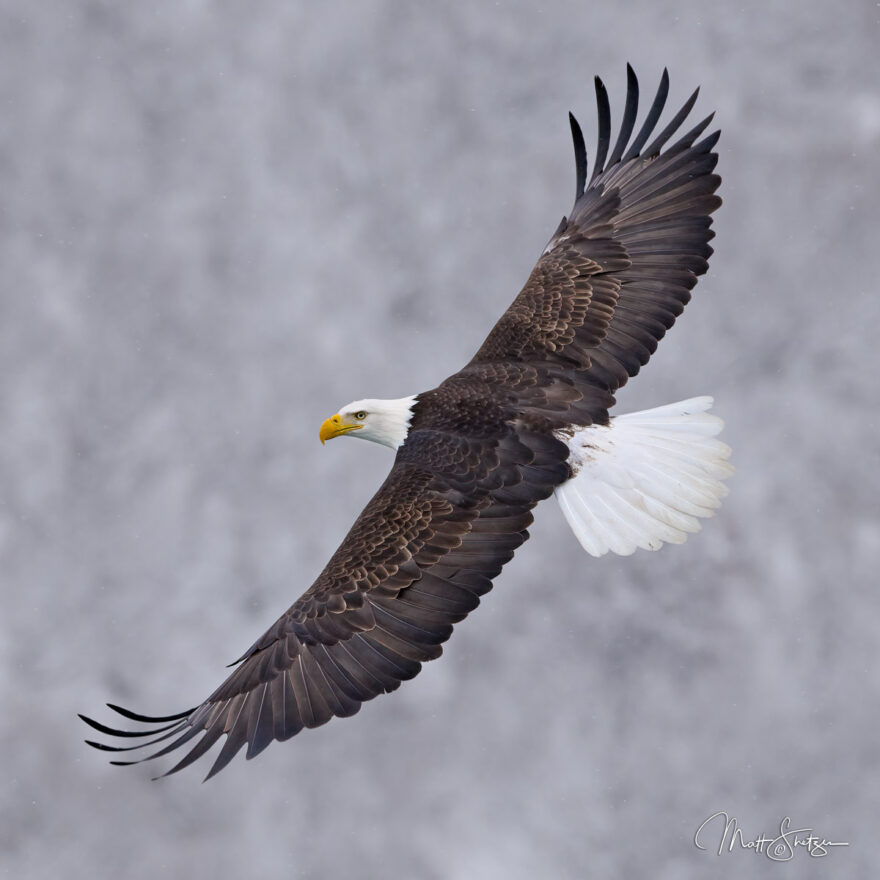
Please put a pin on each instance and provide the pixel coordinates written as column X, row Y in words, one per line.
column 389, row 420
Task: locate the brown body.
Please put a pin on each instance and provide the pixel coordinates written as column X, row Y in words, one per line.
column 483, row 448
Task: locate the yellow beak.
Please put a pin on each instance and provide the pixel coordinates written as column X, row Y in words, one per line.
column 336, row 426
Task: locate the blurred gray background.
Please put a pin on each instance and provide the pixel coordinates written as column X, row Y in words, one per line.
column 219, row 222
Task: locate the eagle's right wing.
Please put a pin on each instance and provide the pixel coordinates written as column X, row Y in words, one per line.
column 620, row 269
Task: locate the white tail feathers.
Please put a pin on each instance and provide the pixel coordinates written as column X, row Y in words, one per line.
column 646, row 478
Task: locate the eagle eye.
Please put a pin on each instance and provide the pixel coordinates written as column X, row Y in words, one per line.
column 360, row 415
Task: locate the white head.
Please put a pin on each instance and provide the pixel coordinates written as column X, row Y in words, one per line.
column 382, row 421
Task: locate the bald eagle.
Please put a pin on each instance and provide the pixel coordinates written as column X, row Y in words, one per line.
column 526, row 418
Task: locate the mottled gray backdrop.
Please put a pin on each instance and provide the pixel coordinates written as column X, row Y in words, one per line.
column 221, row 221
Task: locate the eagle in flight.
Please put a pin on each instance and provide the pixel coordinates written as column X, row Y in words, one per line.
column 526, row 418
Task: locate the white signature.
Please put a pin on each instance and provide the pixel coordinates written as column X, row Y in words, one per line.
column 778, row 849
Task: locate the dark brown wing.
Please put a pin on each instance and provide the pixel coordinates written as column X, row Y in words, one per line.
column 620, row 269
column 450, row 514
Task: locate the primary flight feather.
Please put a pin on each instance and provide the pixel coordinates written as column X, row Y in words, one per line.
column 527, row 417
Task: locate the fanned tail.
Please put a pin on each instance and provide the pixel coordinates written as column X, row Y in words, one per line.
column 645, row 479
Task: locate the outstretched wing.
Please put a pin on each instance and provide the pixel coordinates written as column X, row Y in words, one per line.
column 450, row 514
column 619, row 270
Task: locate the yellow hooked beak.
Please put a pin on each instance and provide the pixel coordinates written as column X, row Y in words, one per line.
column 337, row 425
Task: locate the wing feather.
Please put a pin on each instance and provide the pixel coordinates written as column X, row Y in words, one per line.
column 620, row 269
column 630, row 111
column 580, row 156
column 414, row 564
column 603, row 138
column 651, row 119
